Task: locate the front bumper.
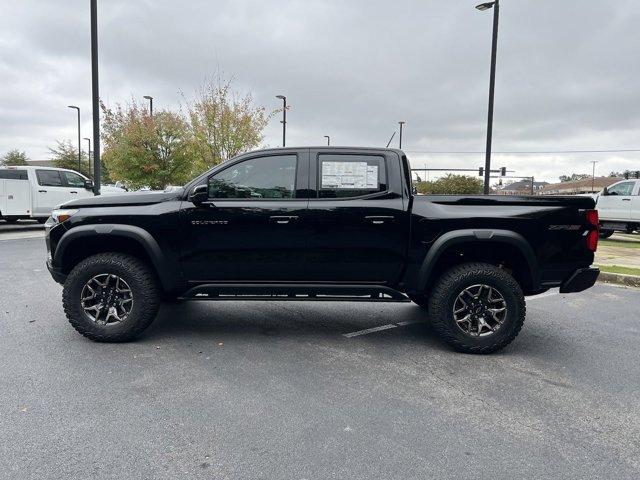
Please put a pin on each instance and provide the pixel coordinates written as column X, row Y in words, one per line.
column 57, row 275
column 580, row 280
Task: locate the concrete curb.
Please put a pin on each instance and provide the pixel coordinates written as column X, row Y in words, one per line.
column 620, row 279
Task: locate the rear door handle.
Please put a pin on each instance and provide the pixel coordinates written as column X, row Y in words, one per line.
column 283, row 219
column 42, row 191
column 380, row 219
column 73, row 192
column 626, row 199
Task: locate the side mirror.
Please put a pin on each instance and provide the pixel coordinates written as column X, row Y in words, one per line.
column 199, row 194
column 88, row 184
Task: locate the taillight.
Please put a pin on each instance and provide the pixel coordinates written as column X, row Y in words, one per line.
column 592, row 240
column 592, row 236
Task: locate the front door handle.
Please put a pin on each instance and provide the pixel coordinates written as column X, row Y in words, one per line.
column 283, row 219
column 380, row 219
column 73, row 192
column 42, row 191
column 626, row 199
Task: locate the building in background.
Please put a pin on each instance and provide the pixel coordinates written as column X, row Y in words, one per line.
column 575, row 187
column 521, row 187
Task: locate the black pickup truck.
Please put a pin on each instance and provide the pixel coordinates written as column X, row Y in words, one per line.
column 324, row 223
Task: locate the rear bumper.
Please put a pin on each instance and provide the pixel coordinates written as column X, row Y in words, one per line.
column 580, row 280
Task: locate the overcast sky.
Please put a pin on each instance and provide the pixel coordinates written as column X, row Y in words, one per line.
column 568, row 72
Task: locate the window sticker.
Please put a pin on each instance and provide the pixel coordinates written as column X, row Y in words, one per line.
column 349, row 175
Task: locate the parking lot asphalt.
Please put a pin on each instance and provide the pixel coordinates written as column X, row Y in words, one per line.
column 280, row 390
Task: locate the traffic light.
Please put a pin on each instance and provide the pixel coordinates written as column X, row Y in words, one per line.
column 503, row 171
column 481, row 172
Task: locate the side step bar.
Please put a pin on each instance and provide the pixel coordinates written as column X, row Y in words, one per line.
column 282, row 291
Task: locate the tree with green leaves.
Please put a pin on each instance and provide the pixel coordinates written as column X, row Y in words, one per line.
column 14, row 158
column 451, row 185
column 65, row 155
column 223, row 124
column 142, row 150
column 573, row 177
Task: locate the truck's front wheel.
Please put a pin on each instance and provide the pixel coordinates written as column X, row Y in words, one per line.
column 111, row 297
column 477, row 308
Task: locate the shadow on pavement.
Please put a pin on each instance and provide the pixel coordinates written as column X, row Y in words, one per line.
column 287, row 319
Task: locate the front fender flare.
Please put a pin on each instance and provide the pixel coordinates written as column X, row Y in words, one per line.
column 165, row 272
column 473, row 235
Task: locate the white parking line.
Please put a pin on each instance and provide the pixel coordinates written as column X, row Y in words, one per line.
column 369, row 330
column 379, row 329
column 550, row 293
column 20, row 235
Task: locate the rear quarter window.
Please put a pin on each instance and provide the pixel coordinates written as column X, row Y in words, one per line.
column 11, row 174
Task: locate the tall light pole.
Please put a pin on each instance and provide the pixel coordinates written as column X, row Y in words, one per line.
column 150, row 98
column 400, row 139
column 328, row 139
column 593, row 175
column 79, row 146
column 492, row 82
column 95, row 97
column 284, row 118
column 88, row 153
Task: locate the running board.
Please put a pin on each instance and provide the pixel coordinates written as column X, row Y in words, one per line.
column 278, row 291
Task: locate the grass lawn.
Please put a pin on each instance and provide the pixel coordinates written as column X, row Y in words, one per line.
column 619, row 243
column 618, row 269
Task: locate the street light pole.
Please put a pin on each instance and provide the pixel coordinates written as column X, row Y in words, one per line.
column 79, row 146
column 492, row 81
column 95, row 97
column 400, row 139
column 150, row 98
column 328, row 139
column 284, row 118
column 88, row 153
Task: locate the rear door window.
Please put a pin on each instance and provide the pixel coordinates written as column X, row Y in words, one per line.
column 345, row 176
column 49, row 178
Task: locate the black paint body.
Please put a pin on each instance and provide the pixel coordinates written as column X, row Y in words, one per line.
column 392, row 239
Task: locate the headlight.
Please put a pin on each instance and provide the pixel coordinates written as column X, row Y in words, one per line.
column 61, row 215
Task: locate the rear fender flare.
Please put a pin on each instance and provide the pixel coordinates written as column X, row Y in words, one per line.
column 455, row 237
column 166, row 273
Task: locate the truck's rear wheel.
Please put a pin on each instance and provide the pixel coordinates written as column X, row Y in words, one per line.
column 111, row 297
column 477, row 308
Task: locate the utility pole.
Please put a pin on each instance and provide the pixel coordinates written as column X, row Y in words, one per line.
column 492, row 83
column 96, row 97
column 328, row 139
column 593, row 175
column 400, row 139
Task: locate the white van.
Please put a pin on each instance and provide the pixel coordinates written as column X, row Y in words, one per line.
column 33, row 192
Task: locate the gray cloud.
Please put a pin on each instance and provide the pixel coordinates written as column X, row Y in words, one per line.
column 567, row 72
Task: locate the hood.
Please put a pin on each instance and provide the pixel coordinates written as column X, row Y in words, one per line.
column 129, row 199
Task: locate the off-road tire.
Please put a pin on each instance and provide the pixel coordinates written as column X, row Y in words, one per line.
column 452, row 283
column 144, row 287
column 605, row 233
